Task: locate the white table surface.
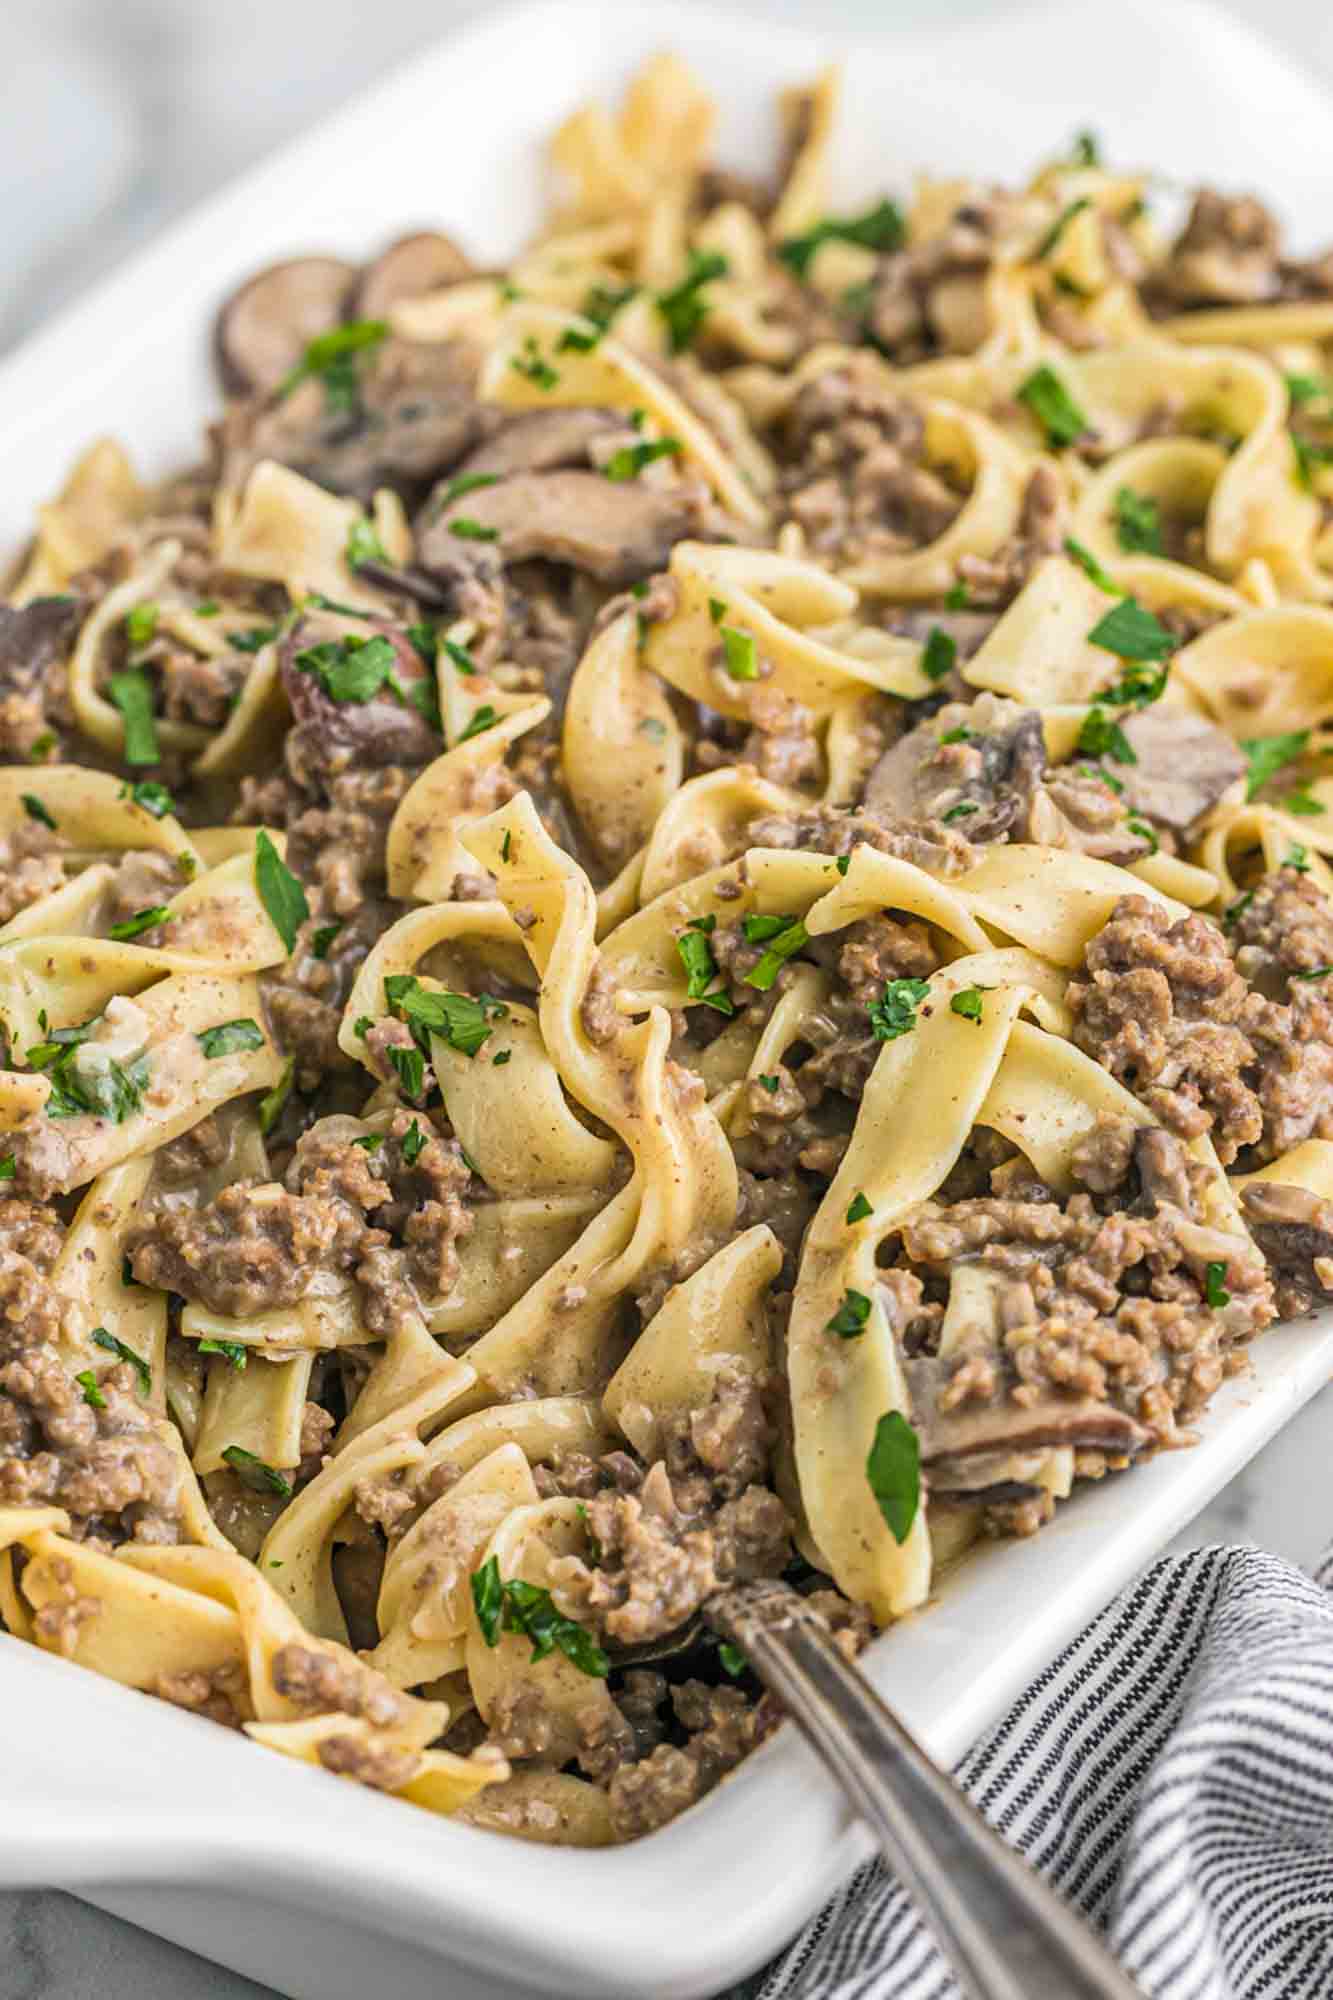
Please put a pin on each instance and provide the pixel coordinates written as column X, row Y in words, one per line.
column 118, row 115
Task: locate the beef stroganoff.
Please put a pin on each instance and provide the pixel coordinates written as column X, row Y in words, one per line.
column 671, row 923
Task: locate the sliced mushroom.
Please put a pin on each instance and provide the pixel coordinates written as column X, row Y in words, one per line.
column 33, row 637
column 986, row 779
column 263, row 329
column 1294, row 1229
column 541, row 441
column 330, row 736
column 1163, row 1168
column 409, row 268
column 1185, row 765
column 616, row 532
column 1007, row 1426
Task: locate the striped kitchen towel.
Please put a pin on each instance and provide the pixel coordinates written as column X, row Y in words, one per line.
column 1172, row 1774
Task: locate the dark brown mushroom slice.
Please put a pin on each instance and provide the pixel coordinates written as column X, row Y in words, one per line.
column 263, row 329
column 615, row 532
column 540, row 441
column 1081, row 1421
column 1184, row 766
column 414, row 265
column 984, row 782
column 1292, row 1227
column 34, row 636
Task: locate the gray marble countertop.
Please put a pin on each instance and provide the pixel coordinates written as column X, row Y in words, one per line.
column 118, row 116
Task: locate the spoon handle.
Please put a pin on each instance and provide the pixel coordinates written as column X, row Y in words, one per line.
column 1008, row 1935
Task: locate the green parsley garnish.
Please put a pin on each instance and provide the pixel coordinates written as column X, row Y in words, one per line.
column 154, row 798
column 323, row 938
column 101, row 1338
column 956, row 597
column 1058, row 228
column 106, row 1089
column 696, row 955
column 1090, row 566
column 894, row 1013
column 230, row 1038
column 653, row 727
column 938, row 654
column 34, row 808
column 858, row 1209
column 1302, row 802
column 1309, row 456
column 414, row 1143
column 1144, row 832
column 772, row 1084
column 363, row 544
column 1235, row 911
column 739, row 653
column 92, row 1395
column 141, row 921
column 1318, row 972
column 481, row 719
column 255, row 1473
column 533, row 366
column 254, row 639
column 279, row 891
column 601, row 304
column 629, row 461
column 785, row 945
column 893, row 1469
column 684, row 307
column 968, row 1003
column 880, row 228
column 758, row 929
column 141, row 625
column 1214, row 1282
column 1139, row 686
column 1087, row 151
column 468, row 530
column 460, row 656
column 1296, row 858
column 350, row 669
column 963, row 810
column 1053, row 407
column 1100, row 735
column 1138, row 523
column 410, row 1067
column 331, row 358
column 232, row 1351
column 850, row 1319
column 514, row 1606
column 461, row 483
column 460, row 1020
column 960, row 735
column 1132, row 633
column 733, row 1660
column 132, row 694
column 270, row 1105
column 1266, row 756
column 8, row 1167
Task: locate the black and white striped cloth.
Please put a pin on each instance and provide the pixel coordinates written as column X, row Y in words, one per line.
column 1172, row 1774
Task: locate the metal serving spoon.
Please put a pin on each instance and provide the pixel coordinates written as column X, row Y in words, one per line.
column 1006, row 1933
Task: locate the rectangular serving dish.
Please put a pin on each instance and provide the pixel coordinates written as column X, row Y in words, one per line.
column 299, row 1880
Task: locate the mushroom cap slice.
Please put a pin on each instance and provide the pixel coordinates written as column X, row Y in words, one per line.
column 263, row 329
column 616, row 532
column 542, row 441
column 413, row 265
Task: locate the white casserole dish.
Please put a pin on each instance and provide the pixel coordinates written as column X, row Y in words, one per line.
column 315, row 1886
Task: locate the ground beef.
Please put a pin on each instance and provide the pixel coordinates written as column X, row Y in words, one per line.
column 835, row 830
column 142, row 881
column 1294, row 1229
column 1040, row 532
column 307, row 993
column 255, row 1246
column 59, row 1622
column 723, row 1726
column 31, row 866
column 1227, row 254
column 1284, row 926
column 220, row 1693
column 1163, row 1006
column 323, row 1680
column 35, row 640
column 385, row 1767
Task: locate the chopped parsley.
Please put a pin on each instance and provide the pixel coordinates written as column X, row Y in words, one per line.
column 968, row 1003
column 893, row 1469
column 502, row 1057
column 363, row 544
column 850, row 1319
column 772, row 1084
column 532, row 365
column 1266, row 756
column 332, row 359
column 414, row 1143
column 1317, row 972
column 1302, row 802
column 858, row 1209
column 462, row 1022
column 515, row 1606
column 880, row 228
column 1139, row 686
column 87, row 1087
column 279, row 891
column 232, row 1351
column 270, row 1105
column 1296, row 858
column 153, row 797
column 1144, row 832
column 1087, row 151
column 894, row 1013
column 786, row 943
column 231, row 1038
column 409, row 1066
column 1309, row 389
column 733, row 1660
column 323, row 938
column 717, row 610
column 460, row 657
column 42, row 747
column 629, row 461
column 1059, row 226
column 601, row 304
column 141, row 921
column 843, row 863
column 652, row 726
column 1090, row 566
column 141, row 625
column 254, row 639
column 461, row 483
column 132, row 694
column 208, row 609
column 34, row 808
column 481, row 719
column 468, row 530
column 1138, row 523
column 963, row 810
column 1214, row 1285
column 1132, row 633
column 101, row 1338
column 1309, row 456
column 696, row 955
column 1100, row 735
column 1235, row 911
column 255, row 1473
column 362, row 1026
column 351, row 669
column 684, row 308
column 8, row 1167
column 1053, row 407
column 956, row 597
column 938, row 654
column 739, row 653
column 92, row 1395
column 759, row 929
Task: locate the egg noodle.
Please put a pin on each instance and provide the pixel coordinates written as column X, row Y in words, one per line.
column 669, row 925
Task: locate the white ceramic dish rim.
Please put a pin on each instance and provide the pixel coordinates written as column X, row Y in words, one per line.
column 102, row 1791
